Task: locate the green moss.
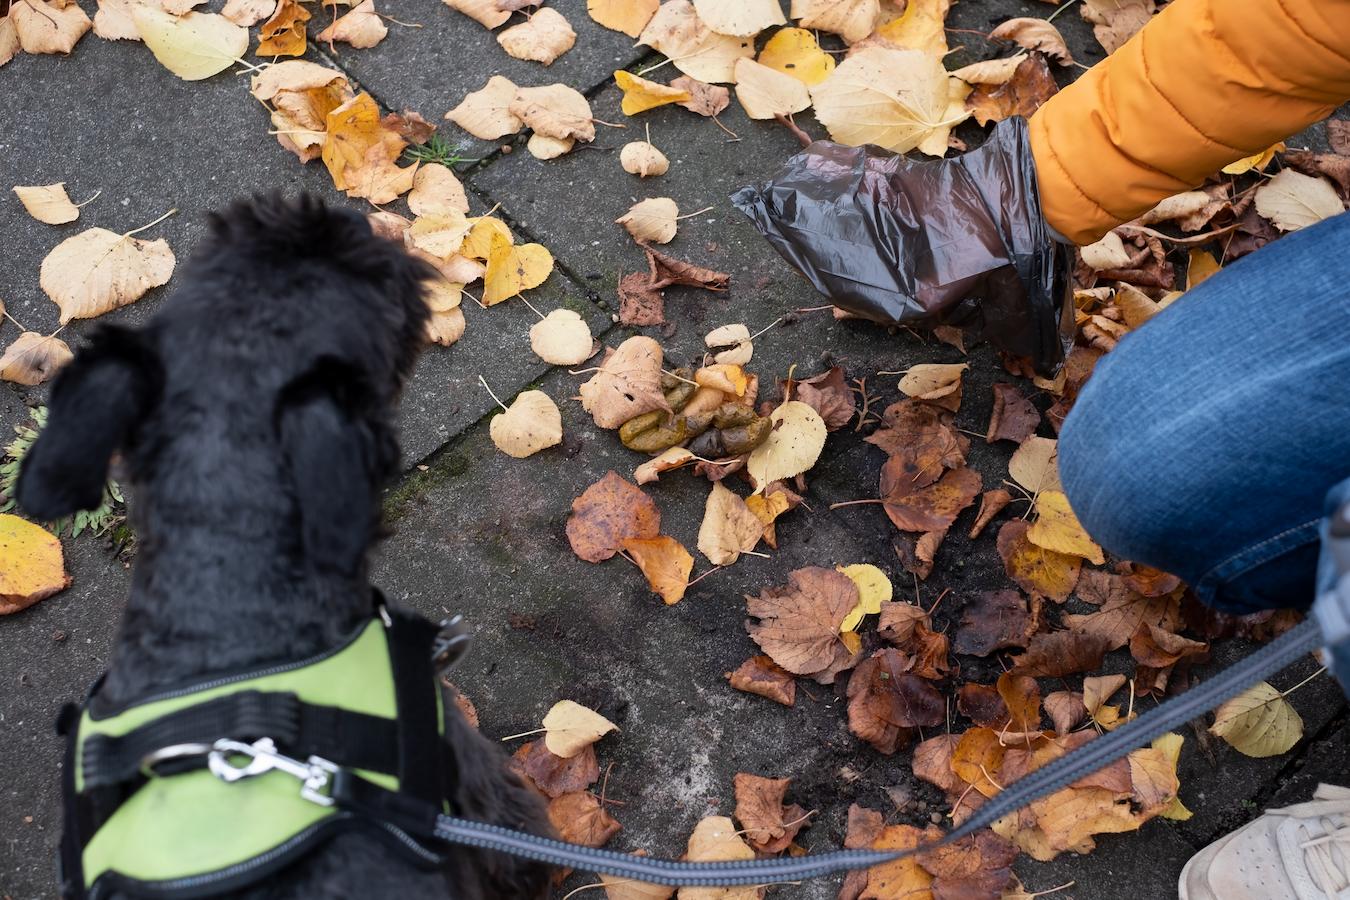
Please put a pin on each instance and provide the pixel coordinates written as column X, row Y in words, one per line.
column 444, row 465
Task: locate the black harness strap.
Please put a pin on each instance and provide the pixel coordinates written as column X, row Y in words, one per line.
column 411, row 639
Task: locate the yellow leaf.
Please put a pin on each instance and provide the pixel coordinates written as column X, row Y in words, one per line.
column 97, row 270
column 652, row 219
column 33, row 358
column 511, row 269
column 48, row 203
column 627, row 16
column 725, row 377
column 896, row 99
column 1256, row 161
column 852, row 20
column 441, row 234
column 665, row 563
column 768, row 507
column 792, row 447
column 1292, row 200
column 1258, row 722
column 903, row 879
column 642, row 159
column 695, row 49
column 31, row 565
column 640, row 95
column 874, row 589
column 562, row 338
column 486, row 112
column 1202, row 265
column 794, row 51
column 729, row 527
column 361, row 27
column 301, row 95
column 545, row 37
column 1057, row 528
column 570, row 728
column 532, row 423
column 193, row 47
column 360, row 152
column 743, row 18
column 1170, row 746
column 284, row 33
column 765, row 93
column 485, row 229
column 922, row 27
column 1035, row 465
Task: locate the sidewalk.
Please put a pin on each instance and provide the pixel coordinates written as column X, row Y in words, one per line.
column 479, row 533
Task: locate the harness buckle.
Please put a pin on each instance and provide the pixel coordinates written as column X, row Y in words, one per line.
column 452, row 642
column 315, row 774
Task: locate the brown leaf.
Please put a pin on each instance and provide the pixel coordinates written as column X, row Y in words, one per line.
column 761, row 675
column 899, row 621
column 1023, row 698
column 639, row 302
column 553, row 774
column 1158, row 653
column 1115, row 21
column 414, row 129
column 886, row 703
column 864, row 826
column 284, row 33
column 1036, row 570
column 32, row 358
column 921, row 435
column 799, row 622
column 1120, row 617
column 608, row 512
column 991, row 504
column 1150, row 582
column 1333, row 166
column 627, row 385
column 931, row 507
column 1062, row 653
column 982, row 704
column 579, row 818
column 827, row 394
column 1030, row 86
column 973, row 868
column 1338, row 135
column 919, row 558
column 994, row 620
column 769, row 825
column 933, row 762
column 704, row 99
column 1066, row 710
column 462, row 703
column 1014, row 418
column 666, row 270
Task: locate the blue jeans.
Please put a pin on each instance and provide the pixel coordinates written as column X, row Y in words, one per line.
column 1205, row 444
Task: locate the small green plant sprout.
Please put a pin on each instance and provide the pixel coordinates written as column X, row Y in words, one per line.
column 99, row 521
column 436, row 150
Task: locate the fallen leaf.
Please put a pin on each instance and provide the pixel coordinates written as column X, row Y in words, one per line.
column 1107, row 253
column 1292, row 200
column 903, row 879
column 1061, row 653
column 729, row 528
column 284, row 33
column 766, row 93
column 49, row 27
column 768, row 825
column 440, row 234
column 976, row 866
column 695, row 49
column 562, row 338
column 513, row 269
column 554, row 110
column 930, row 507
column 744, row 19
column 829, row 395
column 543, row 38
column 795, row 52
column 978, row 757
column 1338, row 135
column 852, row 20
column 886, row 703
column 1169, row 745
column 194, row 46
column 715, row 839
column 1332, row 165
column 1258, row 722
column 799, row 622
column 982, row 704
column 1115, row 21
column 486, row 229
column 579, row 818
column 874, row 589
column 301, row 94
column 1257, row 161
column 991, row 504
column 486, row 113
column 990, row 71
column 244, row 12
column 1030, row 86
column 361, row 153
column 921, row 435
column 897, row 99
column 1035, row 465
column 704, row 99
column 1202, row 265
column 639, row 302
column 32, row 358
column 667, row 270
column 1066, row 710
column 361, row 27
column 640, row 95
column 556, row 775
column 1035, row 34
column 9, row 39
column 672, row 458
column 994, row 620
column 532, row 423
column 606, row 514
column 1057, row 528
column 570, row 728
column 934, row 382
column 436, row 191
column 769, row 506
column 1035, row 569
column 445, row 328
column 652, row 219
column 485, row 12
column 665, row 563
column 1014, row 418
column 627, row 16
column 900, row 621
column 627, row 385
column 642, row 159
column 628, row 889
column 32, row 567
column 1121, row 616
column 48, row 203
column 97, row 271
column 1022, row 698
column 730, row 344
column 794, row 445
column 762, row 676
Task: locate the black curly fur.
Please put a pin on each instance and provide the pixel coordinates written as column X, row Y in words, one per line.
column 254, row 419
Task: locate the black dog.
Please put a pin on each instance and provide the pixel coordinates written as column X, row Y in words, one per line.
column 253, row 415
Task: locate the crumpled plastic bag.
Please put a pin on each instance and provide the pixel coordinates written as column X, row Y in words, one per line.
column 958, row 241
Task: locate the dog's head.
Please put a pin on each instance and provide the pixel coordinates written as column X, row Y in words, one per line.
column 275, row 368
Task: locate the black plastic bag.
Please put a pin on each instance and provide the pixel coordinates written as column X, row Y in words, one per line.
column 935, row 242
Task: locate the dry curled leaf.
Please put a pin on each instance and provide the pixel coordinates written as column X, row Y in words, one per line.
column 556, row 775
column 627, row 385
column 768, row 824
column 766, row 93
column 532, row 423
column 33, row 358
column 762, row 676
column 246, row 12
column 991, row 504
column 652, row 219
column 485, row 12
column 852, row 20
column 887, row 703
column 799, row 622
column 934, row 382
column 541, row 146
column 32, row 567
column 361, row 27
column 361, row 153
column 543, row 38
column 51, row 27
column 436, row 191
column 48, row 203
column 874, row 591
column 1035, row 465
column 695, row 49
column 284, row 33
column 98, row 270
column 729, row 527
column 606, row 514
column 570, row 728
column 1123, row 614
column 829, row 395
column 665, row 563
column 640, row 94
column 643, row 159
column 1022, row 94
column 580, row 818
column 667, row 270
column 1035, row 34
column 704, row 99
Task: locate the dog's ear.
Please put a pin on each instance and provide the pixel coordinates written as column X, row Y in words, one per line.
column 338, row 450
column 96, row 404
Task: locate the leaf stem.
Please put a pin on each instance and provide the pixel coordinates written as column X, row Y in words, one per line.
column 151, row 225
column 697, row 212
column 484, row 383
column 512, row 737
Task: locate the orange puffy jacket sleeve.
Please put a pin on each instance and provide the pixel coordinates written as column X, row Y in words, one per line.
column 1205, row 83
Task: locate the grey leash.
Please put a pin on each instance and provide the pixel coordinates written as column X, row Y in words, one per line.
column 1283, row 651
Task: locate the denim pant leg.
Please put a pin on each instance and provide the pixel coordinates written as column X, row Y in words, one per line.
column 1206, row 442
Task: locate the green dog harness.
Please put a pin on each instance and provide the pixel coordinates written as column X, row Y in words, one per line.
column 215, row 786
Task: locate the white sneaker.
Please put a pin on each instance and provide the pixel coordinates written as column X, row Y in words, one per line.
column 1301, row 852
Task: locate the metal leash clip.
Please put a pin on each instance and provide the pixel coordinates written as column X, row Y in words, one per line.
column 451, row 643
column 316, row 774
